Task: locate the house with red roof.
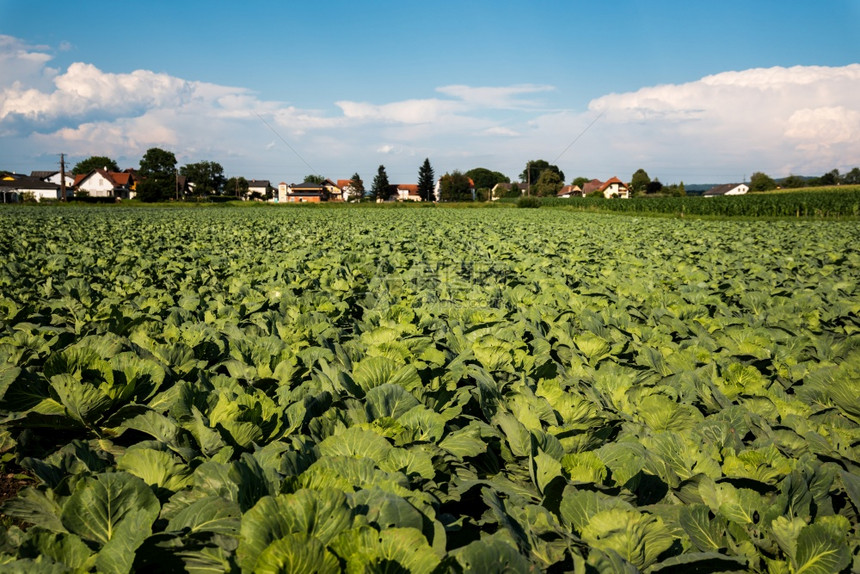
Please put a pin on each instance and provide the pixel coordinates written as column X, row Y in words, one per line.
column 406, row 192
column 102, row 183
column 614, row 187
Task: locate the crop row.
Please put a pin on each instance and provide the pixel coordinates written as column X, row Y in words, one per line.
column 821, row 205
column 428, row 391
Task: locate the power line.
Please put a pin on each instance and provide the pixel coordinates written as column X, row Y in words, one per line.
column 286, row 143
column 582, row 133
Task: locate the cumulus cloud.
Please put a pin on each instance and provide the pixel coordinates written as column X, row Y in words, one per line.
column 778, row 120
column 498, row 97
column 770, row 118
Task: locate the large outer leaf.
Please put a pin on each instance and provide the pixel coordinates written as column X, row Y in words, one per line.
column 37, row 508
column 296, row 553
column 388, row 400
column 820, row 551
column 492, row 557
column 157, row 468
column 323, row 514
column 707, row 535
column 64, row 548
column 357, row 442
column 210, row 514
column 100, row 506
column 83, row 401
column 638, row 538
column 392, row 550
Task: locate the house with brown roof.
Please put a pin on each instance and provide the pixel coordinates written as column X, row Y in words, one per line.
column 614, row 187
column 348, row 190
column 309, row 192
column 570, row 191
column 101, row 183
column 406, row 192
column 590, row 187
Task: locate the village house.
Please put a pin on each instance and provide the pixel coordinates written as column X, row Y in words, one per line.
column 570, row 191
column 54, row 177
column 614, row 187
column 102, row 183
column 15, row 188
column 727, row 189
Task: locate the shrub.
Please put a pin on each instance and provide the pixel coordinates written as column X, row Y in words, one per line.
column 528, row 201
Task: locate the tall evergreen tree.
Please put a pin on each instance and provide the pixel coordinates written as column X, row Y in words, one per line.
column 425, row 181
column 381, row 186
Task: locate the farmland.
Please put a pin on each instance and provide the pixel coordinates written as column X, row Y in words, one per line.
column 428, row 390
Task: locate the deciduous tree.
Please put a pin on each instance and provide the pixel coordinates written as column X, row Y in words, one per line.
column 313, row 178
column 654, row 186
column 94, row 162
column 158, row 175
column 548, row 184
column 207, row 177
column 455, row 186
column 852, row 177
column 535, row 167
column 639, row 182
column 830, row 178
column 237, row 186
column 761, row 182
column 485, row 178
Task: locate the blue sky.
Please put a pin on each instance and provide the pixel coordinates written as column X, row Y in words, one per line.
column 692, row 91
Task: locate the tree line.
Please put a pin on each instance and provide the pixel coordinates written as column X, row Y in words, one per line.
column 158, row 181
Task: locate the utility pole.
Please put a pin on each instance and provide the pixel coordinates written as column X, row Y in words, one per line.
column 529, row 178
column 62, row 177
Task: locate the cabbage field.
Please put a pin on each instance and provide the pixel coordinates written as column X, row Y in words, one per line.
column 427, row 390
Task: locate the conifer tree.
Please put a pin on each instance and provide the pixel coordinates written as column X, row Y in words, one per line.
column 425, row 181
column 381, row 186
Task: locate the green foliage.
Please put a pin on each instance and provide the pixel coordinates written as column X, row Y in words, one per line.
column 639, row 181
column 158, row 176
column 381, row 189
column 761, row 182
column 312, row 178
column 529, row 201
column 455, row 186
column 236, row 187
column 207, row 177
column 356, row 187
column 429, row 390
column 426, row 181
column 485, row 178
column 815, row 204
column 548, row 184
column 85, row 166
column 534, row 168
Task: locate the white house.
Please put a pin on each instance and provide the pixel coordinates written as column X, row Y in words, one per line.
column 19, row 188
column 54, row 177
column 614, row 187
column 727, row 189
column 101, row 183
column 569, row 191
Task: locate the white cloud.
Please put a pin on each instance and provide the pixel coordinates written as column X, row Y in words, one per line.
column 499, row 97
column 800, row 119
column 777, row 119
